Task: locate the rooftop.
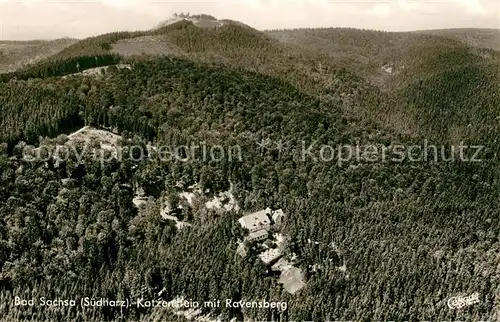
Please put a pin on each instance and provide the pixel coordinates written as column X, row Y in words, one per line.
column 256, row 220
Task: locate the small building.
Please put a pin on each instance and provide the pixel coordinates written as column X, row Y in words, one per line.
column 257, row 220
column 278, row 216
column 257, row 235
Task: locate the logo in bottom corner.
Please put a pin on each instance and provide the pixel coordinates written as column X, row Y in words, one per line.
column 459, row 302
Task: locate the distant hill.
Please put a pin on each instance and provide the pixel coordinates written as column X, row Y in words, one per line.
column 367, row 50
column 180, row 38
column 406, row 71
column 17, row 54
column 482, row 38
column 185, row 38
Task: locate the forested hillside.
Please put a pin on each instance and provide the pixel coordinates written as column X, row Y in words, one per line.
column 377, row 240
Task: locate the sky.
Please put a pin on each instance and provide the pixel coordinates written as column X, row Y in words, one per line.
column 50, row 19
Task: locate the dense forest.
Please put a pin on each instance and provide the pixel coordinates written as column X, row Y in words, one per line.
column 409, row 235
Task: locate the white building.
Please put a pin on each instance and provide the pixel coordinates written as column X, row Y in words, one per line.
column 259, row 223
column 257, row 235
column 256, row 221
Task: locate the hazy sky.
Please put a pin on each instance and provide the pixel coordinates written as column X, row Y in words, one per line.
column 36, row 19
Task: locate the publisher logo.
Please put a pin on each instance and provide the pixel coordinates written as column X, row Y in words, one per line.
column 459, row 302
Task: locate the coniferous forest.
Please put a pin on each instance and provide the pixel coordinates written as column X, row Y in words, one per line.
column 376, row 240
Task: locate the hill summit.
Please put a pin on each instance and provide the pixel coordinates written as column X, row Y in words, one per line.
column 199, row 20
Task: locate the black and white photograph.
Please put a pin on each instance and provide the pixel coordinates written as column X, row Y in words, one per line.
column 250, row 160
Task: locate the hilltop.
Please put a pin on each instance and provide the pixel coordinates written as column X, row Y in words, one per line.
column 202, row 20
